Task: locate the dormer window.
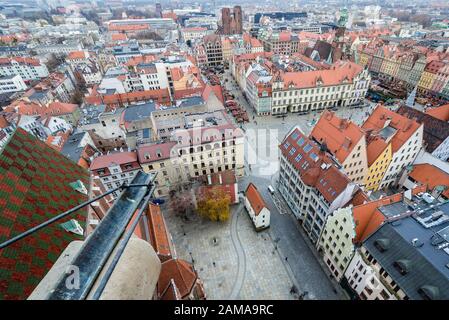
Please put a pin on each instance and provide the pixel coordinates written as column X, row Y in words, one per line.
column 382, row 244
column 402, row 266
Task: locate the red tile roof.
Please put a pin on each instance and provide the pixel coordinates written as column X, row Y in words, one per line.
column 74, row 55
column 159, row 237
column 430, row 176
column 58, row 108
column 374, row 149
column 181, row 272
column 170, row 15
column 340, row 135
column 405, row 127
column 314, row 166
column 119, row 37
column 285, row 36
column 441, row 112
column 152, row 150
column 20, row 60
column 3, row 122
column 216, row 89
column 113, row 158
column 368, row 218
column 340, row 72
column 128, row 27
column 162, row 96
column 255, row 199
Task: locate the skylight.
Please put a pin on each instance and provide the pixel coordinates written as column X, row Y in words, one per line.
column 292, row 151
column 307, row 147
column 301, row 141
column 298, row 157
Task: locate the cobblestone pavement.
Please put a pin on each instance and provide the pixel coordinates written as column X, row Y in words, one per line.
column 241, row 258
column 263, row 134
column 217, row 263
column 304, row 265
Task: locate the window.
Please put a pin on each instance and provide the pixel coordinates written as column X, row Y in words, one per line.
column 384, row 294
column 307, row 147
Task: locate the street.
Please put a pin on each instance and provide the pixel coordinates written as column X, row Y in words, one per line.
column 301, row 261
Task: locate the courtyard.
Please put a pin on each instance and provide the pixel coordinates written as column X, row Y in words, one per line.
column 231, row 258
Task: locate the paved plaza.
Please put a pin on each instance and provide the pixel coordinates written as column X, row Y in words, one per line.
column 236, row 262
column 232, row 259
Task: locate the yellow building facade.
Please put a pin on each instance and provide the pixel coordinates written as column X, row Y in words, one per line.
column 377, row 169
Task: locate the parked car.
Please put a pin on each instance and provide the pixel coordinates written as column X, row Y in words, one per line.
column 158, row 201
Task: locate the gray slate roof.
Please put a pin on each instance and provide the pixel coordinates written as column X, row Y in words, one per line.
column 427, row 263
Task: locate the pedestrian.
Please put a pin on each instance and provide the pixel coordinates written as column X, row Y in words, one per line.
column 286, row 258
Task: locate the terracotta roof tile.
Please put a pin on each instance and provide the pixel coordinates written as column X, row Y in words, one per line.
column 404, row 126
column 313, row 165
column 374, row 149
column 160, row 239
column 255, row 199
column 430, row 176
column 441, row 112
column 74, row 55
column 182, row 274
column 155, row 152
column 113, row 158
column 339, row 73
column 340, row 135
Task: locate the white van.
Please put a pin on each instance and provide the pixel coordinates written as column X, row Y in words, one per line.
column 271, row 189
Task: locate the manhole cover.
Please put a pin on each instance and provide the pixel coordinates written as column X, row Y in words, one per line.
column 215, row 241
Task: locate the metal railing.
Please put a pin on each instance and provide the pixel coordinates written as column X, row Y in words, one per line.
column 111, row 234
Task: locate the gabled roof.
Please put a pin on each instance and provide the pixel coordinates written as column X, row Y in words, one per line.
column 382, row 117
column 430, row 176
column 255, row 199
column 441, row 112
column 338, row 74
column 374, row 149
column 74, row 55
column 159, row 237
column 155, row 152
column 182, row 273
column 60, row 108
column 315, row 168
column 113, row 158
column 216, row 89
column 340, row 135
